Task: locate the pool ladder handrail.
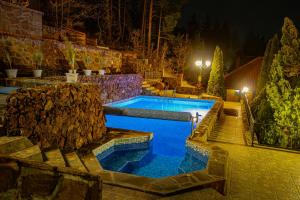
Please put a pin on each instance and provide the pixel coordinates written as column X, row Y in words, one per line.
column 192, row 120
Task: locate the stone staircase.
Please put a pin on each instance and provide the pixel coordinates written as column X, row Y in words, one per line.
column 228, row 129
column 21, row 147
column 150, row 90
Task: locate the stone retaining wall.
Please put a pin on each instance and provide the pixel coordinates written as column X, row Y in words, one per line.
column 67, row 116
column 208, row 123
column 189, row 90
column 113, row 87
column 20, row 179
column 20, row 21
column 54, row 62
column 116, row 87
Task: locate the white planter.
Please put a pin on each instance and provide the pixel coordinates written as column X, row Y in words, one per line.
column 11, row 73
column 87, row 72
column 37, row 73
column 72, row 77
column 72, row 71
column 101, row 72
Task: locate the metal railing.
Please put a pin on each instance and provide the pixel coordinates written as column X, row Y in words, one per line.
column 272, row 134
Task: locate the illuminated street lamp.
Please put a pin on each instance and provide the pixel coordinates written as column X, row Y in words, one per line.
column 245, row 90
column 199, row 63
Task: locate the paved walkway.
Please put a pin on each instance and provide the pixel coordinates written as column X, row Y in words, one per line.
column 229, row 129
column 256, row 173
column 262, row 174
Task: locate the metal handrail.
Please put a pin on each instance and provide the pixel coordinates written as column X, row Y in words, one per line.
column 250, row 118
column 262, row 126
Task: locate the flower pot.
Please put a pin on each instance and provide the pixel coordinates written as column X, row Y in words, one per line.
column 11, row 73
column 72, row 71
column 72, row 77
column 37, row 73
column 87, row 72
column 101, row 72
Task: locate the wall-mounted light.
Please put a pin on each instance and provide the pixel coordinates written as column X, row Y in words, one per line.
column 208, row 63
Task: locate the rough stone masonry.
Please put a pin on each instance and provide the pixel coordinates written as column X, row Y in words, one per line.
column 67, row 116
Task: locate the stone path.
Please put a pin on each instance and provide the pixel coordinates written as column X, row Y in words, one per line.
column 229, row 129
column 262, row 174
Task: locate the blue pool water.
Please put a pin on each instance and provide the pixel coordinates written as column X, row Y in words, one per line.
column 166, row 104
column 165, row 155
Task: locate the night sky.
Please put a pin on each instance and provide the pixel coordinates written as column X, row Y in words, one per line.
column 264, row 17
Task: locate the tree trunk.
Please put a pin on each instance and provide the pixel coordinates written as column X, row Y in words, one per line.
column 124, row 21
column 110, row 20
column 159, row 32
column 62, row 14
column 56, row 13
column 150, row 26
column 119, row 19
column 144, row 26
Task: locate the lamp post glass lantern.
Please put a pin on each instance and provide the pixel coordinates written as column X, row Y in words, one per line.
column 199, row 63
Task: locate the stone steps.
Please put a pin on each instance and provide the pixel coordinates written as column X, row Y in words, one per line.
column 10, row 145
column 91, row 163
column 55, row 158
column 74, row 161
column 30, row 153
column 149, row 90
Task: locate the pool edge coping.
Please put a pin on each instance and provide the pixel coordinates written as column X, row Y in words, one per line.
column 215, row 172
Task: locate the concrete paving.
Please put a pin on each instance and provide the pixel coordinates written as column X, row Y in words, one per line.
column 229, row 129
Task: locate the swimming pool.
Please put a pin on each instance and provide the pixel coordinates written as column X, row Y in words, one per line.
column 161, row 107
column 166, row 155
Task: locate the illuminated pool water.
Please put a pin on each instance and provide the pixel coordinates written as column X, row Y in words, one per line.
column 167, row 153
column 166, row 104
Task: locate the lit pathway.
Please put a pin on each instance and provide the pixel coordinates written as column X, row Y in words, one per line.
column 262, row 174
column 229, row 129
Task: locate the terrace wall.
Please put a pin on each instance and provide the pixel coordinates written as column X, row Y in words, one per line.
column 116, row 87
column 205, row 128
column 18, row 20
column 112, row 87
column 67, row 116
column 54, row 62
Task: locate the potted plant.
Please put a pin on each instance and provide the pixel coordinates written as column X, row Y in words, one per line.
column 87, row 60
column 7, row 43
column 101, row 64
column 37, row 59
column 70, row 55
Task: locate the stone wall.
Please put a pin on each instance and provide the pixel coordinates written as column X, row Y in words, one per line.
column 54, row 62
column 113, row 87
column 22, row 21
column 20, row 179
column 67, row 116
column 116, row 87
column 204, row 129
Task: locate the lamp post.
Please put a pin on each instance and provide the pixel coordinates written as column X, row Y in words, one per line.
column 199, row 63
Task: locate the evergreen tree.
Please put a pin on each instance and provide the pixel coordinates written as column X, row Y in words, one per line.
column 285, row 99
column 216, row 84
column 260, row 106
column 271, row 49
